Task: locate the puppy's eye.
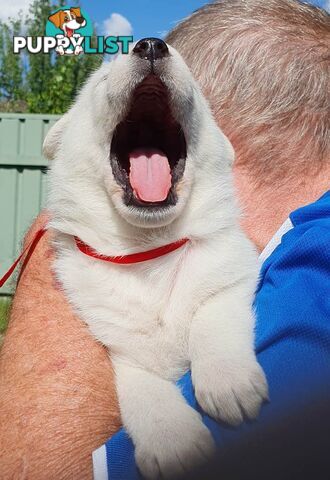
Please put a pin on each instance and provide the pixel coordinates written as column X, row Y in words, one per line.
column 66, row 18
column 73, row 16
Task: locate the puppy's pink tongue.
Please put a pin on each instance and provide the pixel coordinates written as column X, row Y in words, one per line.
column 150, row 174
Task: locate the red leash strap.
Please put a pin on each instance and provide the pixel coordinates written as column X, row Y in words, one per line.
column 133, row 257
column 28, row 251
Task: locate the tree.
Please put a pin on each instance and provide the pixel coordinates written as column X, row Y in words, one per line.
column 12, row 89
column 40, row 68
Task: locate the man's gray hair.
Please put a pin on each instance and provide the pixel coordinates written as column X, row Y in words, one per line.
column 264, row 66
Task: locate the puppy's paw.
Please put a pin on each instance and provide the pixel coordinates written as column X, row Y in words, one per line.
column 78, row 50
column 230, row 391
column 174, row 446
column 59, row 50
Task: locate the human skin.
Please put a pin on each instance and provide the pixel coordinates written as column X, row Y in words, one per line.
column 266, row 205
column 57, row 392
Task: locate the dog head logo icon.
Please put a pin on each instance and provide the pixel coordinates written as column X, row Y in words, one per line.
column 68, row 20
column 70, row 26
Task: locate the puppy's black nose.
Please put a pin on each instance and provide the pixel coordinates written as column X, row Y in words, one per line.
column 151, row 49
column 80, row 20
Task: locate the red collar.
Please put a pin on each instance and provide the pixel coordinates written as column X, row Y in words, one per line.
column 87, row 250
column 133, row 257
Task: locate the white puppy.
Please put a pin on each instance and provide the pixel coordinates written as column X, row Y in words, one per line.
column 138, row 163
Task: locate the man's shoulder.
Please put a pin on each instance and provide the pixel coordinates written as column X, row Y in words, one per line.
column 306, row 244
column 294, row 291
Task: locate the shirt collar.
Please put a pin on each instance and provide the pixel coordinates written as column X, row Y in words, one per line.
column 275, row 241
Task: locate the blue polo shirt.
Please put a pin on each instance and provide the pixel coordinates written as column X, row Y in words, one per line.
column 292, row 335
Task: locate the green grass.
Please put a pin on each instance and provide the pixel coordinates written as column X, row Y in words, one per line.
column 4, row 314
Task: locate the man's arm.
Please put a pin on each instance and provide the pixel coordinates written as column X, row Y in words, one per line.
column 57, row 393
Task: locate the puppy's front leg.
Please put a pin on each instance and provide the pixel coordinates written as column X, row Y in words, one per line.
column 168, row 435
column 229, row 383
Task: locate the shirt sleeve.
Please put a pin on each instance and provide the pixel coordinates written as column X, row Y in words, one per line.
column 292, row 340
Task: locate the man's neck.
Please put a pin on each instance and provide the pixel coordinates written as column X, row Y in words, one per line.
column 266, row 206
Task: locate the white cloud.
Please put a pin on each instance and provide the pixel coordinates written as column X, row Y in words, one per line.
column 116, row 25
column 10, row 8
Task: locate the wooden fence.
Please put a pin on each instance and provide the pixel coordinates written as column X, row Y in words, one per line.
column 22, row 180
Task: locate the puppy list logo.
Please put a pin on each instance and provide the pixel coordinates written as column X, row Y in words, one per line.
column 69, row 31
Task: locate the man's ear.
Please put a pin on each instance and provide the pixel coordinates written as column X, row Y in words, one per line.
column 53, row 138
column 56, row 19
column 76, row 11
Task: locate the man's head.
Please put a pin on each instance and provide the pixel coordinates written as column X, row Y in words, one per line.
column 265, row 69
column 264, row 66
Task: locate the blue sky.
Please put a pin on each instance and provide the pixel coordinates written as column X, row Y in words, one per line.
column 144, row 17
column 147, row 17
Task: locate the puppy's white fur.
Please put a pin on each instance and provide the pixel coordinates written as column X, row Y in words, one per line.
column 189, row 309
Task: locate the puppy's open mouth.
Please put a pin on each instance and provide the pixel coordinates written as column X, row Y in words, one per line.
column 69, row 31
column 148, row 148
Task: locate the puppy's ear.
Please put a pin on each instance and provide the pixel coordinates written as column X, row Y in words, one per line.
column 56, row 19
column 53, row 138
column 76, row 11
